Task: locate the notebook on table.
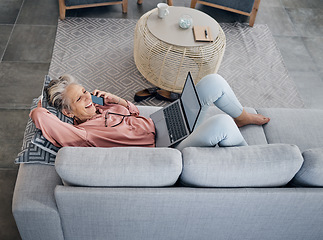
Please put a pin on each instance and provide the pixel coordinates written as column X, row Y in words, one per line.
column 202, row 34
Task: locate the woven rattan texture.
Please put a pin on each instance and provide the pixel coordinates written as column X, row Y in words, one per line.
column 166, row 65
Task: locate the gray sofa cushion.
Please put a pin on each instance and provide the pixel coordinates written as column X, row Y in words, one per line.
column 311, row 173
column 119, row 167
column 252, row 166
column 302, row 127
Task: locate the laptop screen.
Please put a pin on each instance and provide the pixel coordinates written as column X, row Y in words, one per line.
column 190, row 102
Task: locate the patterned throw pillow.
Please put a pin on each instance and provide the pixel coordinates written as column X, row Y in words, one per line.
column 36, row 148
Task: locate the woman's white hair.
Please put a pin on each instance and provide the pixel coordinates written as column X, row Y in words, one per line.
column 56, row 92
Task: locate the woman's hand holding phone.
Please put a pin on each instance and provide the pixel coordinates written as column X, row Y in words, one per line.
column 108, row 97
column 97, row 100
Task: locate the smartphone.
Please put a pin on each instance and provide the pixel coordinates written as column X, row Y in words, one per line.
column 97, row 100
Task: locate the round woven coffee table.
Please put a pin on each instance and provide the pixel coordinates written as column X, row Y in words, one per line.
column 164, row 53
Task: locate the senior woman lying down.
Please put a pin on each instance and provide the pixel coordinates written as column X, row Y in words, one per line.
column 118, row 123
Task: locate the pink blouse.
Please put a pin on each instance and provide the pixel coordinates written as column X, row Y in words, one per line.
column 133, row 130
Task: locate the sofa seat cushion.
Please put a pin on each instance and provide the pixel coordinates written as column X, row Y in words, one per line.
column 311, row 173
column 119, row 167
column 251, row 166
column 302, row 127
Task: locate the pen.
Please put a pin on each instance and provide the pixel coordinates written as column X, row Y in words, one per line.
column 205, row 31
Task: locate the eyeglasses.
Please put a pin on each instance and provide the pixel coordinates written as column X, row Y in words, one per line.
column 117, row 114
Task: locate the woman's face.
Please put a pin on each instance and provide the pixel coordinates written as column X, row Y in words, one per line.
column 80, row 102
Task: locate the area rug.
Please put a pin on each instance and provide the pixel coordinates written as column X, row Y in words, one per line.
column 99, row 53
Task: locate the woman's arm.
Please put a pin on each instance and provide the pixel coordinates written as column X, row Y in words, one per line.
column 57, row 132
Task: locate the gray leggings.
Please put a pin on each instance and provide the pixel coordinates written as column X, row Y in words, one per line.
column 218, row 129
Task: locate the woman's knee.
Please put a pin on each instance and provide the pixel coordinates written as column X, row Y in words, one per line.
column 231, row 135
column 223, row 120
column 212, row 80
column 217, row 127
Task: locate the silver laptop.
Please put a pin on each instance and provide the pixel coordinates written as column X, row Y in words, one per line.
column 176, row 121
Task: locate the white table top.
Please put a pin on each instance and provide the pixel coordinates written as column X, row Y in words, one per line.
column 169, row 31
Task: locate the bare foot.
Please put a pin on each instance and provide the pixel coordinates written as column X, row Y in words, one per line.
column 250, row 118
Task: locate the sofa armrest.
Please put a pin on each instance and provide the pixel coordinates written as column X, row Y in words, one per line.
column 34, row 206
column 269, row 165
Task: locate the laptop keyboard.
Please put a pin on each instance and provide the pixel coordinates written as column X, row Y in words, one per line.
column 175, row 122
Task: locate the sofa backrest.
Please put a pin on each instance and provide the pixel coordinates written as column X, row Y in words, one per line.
column 190, row 213
column 127, row 202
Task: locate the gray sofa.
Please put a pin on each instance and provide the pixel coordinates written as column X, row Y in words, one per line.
column 271, row 189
